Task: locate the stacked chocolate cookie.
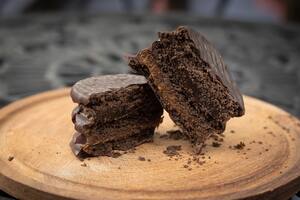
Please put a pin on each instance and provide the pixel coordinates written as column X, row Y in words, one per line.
column 186, row 76
column 114, row 112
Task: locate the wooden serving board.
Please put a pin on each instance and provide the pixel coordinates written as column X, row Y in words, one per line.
column 37, row 163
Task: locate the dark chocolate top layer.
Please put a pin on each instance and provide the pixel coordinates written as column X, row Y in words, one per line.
column 210, row 55
column 84, row 89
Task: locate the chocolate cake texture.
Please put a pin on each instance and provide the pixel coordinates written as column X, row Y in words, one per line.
column 192, row 82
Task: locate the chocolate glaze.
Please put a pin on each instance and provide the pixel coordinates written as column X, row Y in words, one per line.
column 83, row 90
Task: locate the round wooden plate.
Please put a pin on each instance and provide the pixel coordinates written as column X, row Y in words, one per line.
column 37, row 163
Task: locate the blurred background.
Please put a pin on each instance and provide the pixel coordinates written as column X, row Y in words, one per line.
column 278, row 11
column 48, row 44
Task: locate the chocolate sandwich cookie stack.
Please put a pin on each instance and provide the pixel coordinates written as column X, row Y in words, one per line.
column 114, row 112
column 192, row 82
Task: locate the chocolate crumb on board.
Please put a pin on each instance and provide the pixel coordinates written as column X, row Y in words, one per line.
column 116, row 154
column 218, row 137
column 260, row 142
column 83, row 164
column 164, row 136
column 10, row 158
column 240, row 145
column 216, row 144
column 176, row 135
column 141, row 158
column 131, row 150
column 232, row 131
column 149, row 160
column 172, row 150
column 185, row 166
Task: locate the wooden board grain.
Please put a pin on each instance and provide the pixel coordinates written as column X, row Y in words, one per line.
column 36, row 132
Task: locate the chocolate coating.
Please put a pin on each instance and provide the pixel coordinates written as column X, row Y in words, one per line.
column 85, row 89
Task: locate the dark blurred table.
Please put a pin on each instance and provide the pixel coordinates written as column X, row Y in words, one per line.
column 43, row 52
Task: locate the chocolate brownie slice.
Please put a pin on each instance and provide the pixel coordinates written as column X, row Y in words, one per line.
column 192, row 82
column 115, row 112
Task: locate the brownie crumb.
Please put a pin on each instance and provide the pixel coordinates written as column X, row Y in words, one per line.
column 83, row 165
column 266, row 149
column 172, row 150
column 185, row 166
column 216, row 144
column 116, row 154
column 218, row 137
column 131, row 151
column 176, row 135
column 10, row 158
column 232, row 131
column 149, row 160
column 141, row 158
column 119, row 167
column 240, row 145
column 164, row 136
column 265, row 127
column 190, row 169
column 260, row 142
column 271, row 133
